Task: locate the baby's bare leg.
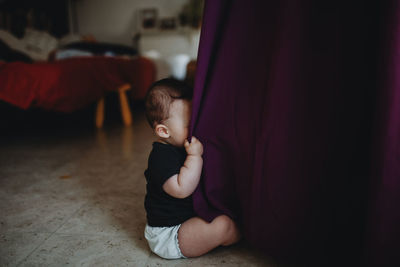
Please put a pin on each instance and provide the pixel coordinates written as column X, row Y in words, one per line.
column 197, row 237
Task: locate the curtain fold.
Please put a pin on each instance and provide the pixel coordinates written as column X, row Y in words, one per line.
column 383, row 228
column 297, row 105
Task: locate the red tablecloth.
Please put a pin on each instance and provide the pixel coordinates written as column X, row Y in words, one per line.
column 72, row 84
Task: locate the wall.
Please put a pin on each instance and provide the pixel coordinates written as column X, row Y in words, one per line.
column 115, row 21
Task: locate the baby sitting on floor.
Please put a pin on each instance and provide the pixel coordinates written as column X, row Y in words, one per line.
column 173, row 231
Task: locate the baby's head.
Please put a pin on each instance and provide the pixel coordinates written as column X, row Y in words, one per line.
column 168, row 110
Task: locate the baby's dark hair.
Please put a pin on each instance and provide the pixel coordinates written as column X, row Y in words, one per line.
column 160, row 96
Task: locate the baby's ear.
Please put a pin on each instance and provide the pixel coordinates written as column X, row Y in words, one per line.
column 162, row 131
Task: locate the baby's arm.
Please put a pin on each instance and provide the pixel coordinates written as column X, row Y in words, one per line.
column 183, row 184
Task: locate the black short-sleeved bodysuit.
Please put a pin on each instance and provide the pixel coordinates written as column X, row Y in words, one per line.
column 162, row 209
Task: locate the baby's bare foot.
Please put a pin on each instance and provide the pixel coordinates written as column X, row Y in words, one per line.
column 234, row 235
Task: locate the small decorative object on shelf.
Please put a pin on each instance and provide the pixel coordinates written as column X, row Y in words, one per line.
column 191, row 14
column 168, row 23
column 187, row 22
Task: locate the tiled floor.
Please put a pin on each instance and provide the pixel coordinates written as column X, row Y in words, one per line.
column 76, row 198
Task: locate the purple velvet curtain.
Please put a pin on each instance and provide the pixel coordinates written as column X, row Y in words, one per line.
column 298, row 106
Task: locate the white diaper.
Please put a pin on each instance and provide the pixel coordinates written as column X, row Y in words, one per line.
column 163, row 241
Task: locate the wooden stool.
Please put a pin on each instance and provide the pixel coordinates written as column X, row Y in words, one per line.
column 124, row 104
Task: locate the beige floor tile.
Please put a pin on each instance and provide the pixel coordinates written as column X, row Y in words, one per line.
column 35, row 211
column 109, row 215
column 89, row 250
column 237, row 255
column 15, row 246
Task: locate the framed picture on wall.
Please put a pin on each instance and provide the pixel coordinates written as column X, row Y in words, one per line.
column 148, row 19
